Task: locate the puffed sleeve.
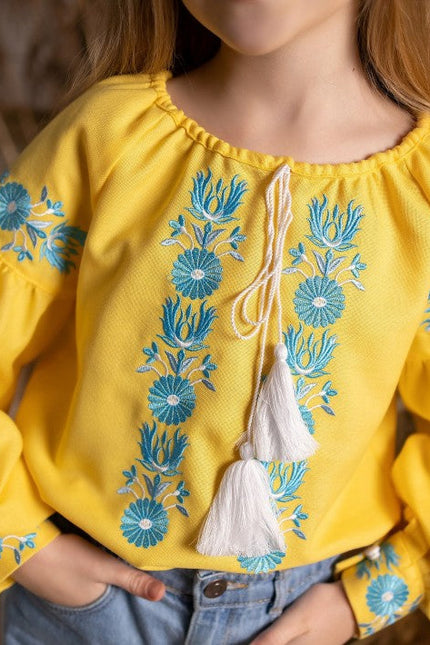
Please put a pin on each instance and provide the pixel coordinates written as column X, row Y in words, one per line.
column 393, row 577
column 45, row 209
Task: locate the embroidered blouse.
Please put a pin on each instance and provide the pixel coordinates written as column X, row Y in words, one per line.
column 127, row 231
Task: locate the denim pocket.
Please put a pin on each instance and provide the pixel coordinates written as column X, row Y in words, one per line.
column 94, row 605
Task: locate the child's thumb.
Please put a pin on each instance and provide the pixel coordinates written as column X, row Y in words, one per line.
column 137, row 582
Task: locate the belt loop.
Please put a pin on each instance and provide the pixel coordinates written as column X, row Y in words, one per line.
column 277, row 604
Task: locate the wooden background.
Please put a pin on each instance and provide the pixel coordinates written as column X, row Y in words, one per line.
column 41, row 41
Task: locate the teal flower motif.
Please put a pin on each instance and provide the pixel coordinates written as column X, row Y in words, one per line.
column 197, row 273
column 319, row 301
column 214, row 203
column 308, row 357
column 162, row 454
column 185, row 329
column 172, row 399
column 334, row 229
column 15, row 206
column 262, row 563
column 386, row 594
column 144, row 523
column 61, row 245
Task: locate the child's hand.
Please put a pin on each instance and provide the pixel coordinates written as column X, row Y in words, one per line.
column 71, row 571
column 321, row 616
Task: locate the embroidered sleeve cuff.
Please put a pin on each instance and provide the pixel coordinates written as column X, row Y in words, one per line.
column 16, row 549
column 384, row 586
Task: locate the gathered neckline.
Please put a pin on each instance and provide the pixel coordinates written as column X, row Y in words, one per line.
column 268, row 161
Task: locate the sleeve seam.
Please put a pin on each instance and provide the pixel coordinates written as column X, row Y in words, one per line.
column 29, row 281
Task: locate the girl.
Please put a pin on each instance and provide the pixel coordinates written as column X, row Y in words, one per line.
column 220, row 331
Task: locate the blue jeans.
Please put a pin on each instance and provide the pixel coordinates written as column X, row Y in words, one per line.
column 199, row 608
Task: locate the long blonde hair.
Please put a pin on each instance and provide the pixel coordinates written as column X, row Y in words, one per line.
column 152, row 35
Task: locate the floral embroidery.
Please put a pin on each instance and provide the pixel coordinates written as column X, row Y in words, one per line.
column 386, row 595
column 386, row 598
column 320, row 300
column 145, row 522
column 387, row 557
column 172, row 396
column 285, row 479
column 29, row 222
column 197, row 272
column 9, row 542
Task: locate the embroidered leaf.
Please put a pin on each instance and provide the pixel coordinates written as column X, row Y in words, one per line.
column 186, row 363
column 6, row 247
column 149, row 485
column 208, row 384
column 358, row 284
column 17, row 555
column 334, row 264
column 169, row 242
column 320, row 262
column 160, row 488
column 34, row 223
column 182, row 510
column 328, row 409
column 236, row 256
column 289, row 270
column 173, row 362
column 198, row 233
column 32, row 234
column 144, row 368
column 299, row 534
column 124, row 490
column 44, row 194
column 213, row 235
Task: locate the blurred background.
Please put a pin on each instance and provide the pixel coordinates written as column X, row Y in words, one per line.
column 42, row 42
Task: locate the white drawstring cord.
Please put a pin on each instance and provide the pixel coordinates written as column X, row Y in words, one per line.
column 267, row 276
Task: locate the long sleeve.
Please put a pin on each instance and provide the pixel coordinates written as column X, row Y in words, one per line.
column 393, row 578
column 44, row 214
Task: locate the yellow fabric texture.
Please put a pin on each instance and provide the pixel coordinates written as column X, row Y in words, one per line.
column 126, row 233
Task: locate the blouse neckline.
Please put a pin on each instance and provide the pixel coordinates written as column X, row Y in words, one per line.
column 267, row 161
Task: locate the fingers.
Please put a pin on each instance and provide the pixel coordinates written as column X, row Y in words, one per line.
column 135, row 581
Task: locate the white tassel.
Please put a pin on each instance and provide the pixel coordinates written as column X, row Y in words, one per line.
column 278, row 430
column 242, row 518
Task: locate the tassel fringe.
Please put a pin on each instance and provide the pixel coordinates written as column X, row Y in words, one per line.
column 242, row 518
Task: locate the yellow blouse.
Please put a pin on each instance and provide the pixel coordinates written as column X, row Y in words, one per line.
column 126, row 233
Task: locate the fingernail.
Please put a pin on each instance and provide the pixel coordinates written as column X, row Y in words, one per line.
column 154, row 590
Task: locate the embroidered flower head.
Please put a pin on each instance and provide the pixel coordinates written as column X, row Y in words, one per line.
column 319, row 301
column 386, row 594
column 161, row 453
column 172, row 399
column 215, row 203
column 197, row 273
column 144, row 523
column 262, row 563
column 333, row 229
column 15, row 206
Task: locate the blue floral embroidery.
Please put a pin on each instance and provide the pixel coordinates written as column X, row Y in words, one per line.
column 308, row 357
column 387, row 557
column 320, row 300
column 172, row 396
column 386, row 598
column 386, row 595
column 262, row 563
column 9, row 542
column 146, row 520
column 29, row 222
column 285, row 479
column 197, row 272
